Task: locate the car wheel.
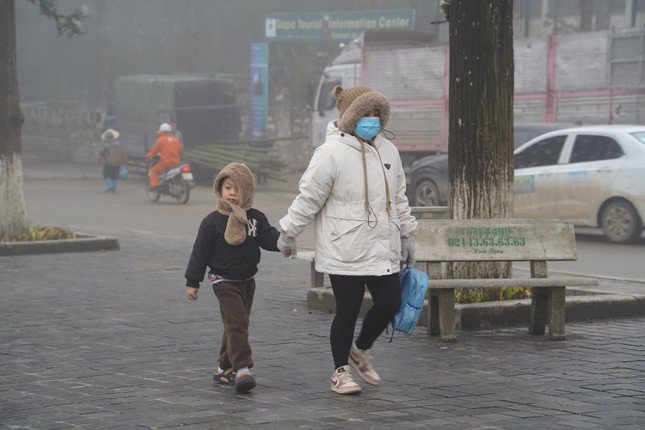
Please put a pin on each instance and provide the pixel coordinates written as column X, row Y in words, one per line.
column 620, row 222
column 426, row 194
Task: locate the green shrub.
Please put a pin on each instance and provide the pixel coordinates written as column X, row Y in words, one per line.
column 36, row 234
column 491, row 294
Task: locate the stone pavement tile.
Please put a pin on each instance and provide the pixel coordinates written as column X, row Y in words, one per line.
column 107, row 340
column 569, row 421
column 617, row 414
column 439, row 423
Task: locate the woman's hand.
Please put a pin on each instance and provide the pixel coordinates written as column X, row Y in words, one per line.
column 287, row 245
column 408, row 250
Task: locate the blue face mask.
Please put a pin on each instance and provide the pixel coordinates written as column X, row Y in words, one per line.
column 368, row 127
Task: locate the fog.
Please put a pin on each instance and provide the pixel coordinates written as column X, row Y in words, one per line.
column 127, row 37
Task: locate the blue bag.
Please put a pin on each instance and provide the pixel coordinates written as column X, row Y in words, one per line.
column 414, row 284
column 123, row 172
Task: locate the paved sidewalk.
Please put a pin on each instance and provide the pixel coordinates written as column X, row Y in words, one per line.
column 34, row 170
column 41, row 171
column 108, row 341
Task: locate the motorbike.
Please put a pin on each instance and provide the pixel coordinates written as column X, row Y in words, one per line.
column 176, row 183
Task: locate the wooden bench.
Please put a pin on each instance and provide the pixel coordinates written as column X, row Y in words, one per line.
column 441, row 241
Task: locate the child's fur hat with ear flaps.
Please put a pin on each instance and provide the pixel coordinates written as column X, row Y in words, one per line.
column 243, row 177
column 355, row 102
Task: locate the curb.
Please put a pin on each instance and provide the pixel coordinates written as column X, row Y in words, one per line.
column 82, row 243
column 589, row 305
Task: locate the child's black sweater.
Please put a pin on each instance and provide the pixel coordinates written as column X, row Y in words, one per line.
column 234, row 262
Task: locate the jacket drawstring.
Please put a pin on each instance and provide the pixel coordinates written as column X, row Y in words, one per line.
column 367, row 202
column 388, row 204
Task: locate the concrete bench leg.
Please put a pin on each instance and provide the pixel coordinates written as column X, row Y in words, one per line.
column 556, row 313
column 442, row 314
column 317, row 278
column 547, row 306
column 433, row 311
column 539, row 315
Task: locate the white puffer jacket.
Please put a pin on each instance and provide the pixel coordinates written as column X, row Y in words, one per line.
column 349, row 240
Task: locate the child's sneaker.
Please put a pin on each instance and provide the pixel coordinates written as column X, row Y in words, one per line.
column 244, row 381
column 226, row 377
column 362, row 362
column 342, row 382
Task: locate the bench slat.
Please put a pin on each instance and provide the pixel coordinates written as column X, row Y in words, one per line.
column 512, row 239
column 515, row 282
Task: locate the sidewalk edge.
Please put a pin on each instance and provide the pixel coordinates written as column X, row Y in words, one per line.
column 82, row 244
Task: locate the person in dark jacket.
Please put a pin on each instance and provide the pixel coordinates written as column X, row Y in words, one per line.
column 229, row 242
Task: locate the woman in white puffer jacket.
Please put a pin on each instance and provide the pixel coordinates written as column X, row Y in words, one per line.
column 354, row 190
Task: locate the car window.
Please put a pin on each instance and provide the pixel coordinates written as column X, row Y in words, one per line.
column 325, row 100
column 594, row 148
column 542, row 153
column 520, row 137
column 640, row 135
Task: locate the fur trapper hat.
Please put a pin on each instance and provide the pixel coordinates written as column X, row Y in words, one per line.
column 354, row 102
column 235, row 232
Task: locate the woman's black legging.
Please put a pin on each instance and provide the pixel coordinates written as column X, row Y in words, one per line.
column 349, row 292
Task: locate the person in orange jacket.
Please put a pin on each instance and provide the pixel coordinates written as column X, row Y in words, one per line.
column 168, row 148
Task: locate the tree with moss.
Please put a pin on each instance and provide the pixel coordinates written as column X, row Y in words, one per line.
column 480, row 143
column 13, row 209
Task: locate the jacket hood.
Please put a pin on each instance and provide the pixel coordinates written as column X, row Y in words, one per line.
column 243, row 178
column 359, row 107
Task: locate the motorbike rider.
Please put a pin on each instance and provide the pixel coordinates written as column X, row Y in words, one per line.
column 168, row 148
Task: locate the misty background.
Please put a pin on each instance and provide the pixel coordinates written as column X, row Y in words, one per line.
column 129, row 37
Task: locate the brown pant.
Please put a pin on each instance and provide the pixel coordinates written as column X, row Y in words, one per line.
column 235, row 301
column 158, row 169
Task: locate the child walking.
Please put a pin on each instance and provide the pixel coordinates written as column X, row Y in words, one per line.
column 229, row 242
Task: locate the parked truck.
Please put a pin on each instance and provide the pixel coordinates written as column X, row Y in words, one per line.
column 203, row 108
column 590, row 78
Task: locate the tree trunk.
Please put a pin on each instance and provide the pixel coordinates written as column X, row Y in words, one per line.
column 102, row 54
column 603, row 15
column 13, row 209
column 481, row 116
column 191, row 52
column 586, row 15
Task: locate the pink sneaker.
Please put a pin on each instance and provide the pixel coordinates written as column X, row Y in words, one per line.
column 342, row 382
column 362, row 362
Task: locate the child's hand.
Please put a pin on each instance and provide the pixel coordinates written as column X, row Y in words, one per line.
column 192, row 293
column 286, row 245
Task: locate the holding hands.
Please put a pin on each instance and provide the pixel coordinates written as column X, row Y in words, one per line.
column 287, row 245
column 408, row 250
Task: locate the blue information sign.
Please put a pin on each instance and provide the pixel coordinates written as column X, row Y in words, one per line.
column 259, row 89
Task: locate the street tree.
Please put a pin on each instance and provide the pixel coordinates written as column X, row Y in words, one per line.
column 480, row 143
column 13, row 209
